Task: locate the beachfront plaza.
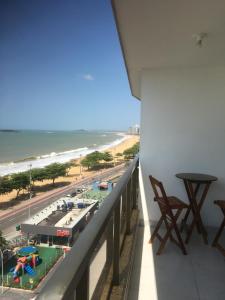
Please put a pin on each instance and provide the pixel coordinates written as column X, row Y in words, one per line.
column 49, row 235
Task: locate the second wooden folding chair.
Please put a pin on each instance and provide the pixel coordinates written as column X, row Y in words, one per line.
column 171, row 208
column 221, row 204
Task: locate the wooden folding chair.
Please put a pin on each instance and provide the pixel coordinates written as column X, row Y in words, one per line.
column 167, row 205
column 221, row 204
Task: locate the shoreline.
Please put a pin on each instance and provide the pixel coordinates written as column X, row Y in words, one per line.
column 74, row 173
column 21, row 165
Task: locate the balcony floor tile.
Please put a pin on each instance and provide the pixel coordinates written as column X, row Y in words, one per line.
column 172, row 276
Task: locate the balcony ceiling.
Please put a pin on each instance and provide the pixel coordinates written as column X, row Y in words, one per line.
column 162, row 34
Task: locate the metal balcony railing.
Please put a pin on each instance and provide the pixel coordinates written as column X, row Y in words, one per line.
column 80, row 275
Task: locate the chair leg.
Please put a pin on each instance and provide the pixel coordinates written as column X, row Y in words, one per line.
column 167, row 225
column 155, row 232
column 184, row 220
column 215, row 241
column 168, row 234
column 180, row 242
column 163, row 243
column 183, row 249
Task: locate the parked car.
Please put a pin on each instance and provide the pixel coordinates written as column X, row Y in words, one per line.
column 81, row 190
column 73, row 194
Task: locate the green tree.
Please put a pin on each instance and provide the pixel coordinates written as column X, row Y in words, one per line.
column 38, row 174
column 20, row 181
column 136, row 148
column 107, row 156
column 69, row 165
column 119, row 154
column 54, row 171
column 86, row 162
column 131, row 152
column 92, row 160
column 5, row 185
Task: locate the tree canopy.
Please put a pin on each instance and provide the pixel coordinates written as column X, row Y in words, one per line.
column 38, row 174
column 54, row 171
column 92, row 160
column 95, row 158
column 107, row 156
column 69, row 165
column 5, row 185
column 131, row 152
column 119, row 154
column 20, row 181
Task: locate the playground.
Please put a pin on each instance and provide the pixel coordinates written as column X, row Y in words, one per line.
column 100, row 190
column 29, row 266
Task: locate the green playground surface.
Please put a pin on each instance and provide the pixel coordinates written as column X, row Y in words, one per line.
column 95, row 195
column 48, row 257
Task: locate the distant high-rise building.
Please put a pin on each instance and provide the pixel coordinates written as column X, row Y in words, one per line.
column 135, row 129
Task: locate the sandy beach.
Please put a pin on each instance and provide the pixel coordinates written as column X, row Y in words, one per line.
column 76, row 172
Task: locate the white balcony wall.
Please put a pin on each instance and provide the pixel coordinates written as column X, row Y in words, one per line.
column 183, row 130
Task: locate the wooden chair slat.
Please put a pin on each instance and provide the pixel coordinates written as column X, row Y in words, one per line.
column 167, row 205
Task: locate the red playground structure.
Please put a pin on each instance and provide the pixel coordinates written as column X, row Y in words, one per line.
column 28, row 258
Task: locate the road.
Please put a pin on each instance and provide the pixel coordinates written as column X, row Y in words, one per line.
column 7, row 224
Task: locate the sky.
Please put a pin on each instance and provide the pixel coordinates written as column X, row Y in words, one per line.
column 61, row 67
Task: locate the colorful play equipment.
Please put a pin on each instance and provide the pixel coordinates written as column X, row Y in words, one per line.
column 28, row 259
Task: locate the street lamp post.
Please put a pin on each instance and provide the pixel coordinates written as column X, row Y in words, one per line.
column 2, row 253
column 30, row 165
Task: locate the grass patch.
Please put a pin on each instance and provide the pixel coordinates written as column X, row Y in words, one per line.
column 48, row 257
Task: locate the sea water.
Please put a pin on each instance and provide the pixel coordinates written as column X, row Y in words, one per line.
column 20, row 149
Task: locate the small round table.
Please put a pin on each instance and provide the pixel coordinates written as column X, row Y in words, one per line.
column 192, row 183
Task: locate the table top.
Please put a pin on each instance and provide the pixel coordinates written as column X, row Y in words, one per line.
column 195, row 177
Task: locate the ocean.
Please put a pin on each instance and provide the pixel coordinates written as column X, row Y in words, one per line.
column 19, row 149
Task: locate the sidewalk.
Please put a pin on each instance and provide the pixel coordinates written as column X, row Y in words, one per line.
column 45, row 196
column 15, row 209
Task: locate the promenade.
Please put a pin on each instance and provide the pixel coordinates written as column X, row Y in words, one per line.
column 15, row 215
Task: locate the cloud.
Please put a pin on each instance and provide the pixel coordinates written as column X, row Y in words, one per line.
column 88, row 77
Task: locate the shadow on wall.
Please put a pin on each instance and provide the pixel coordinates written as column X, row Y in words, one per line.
column 149, row 211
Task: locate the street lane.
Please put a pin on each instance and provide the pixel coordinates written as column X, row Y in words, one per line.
column 8, row 223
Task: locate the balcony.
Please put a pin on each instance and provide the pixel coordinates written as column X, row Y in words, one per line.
column 112, row 258
column 173, row 276
column 180, row 84
column 99, row 260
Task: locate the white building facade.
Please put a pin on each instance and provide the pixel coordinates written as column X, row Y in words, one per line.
column 175, row 58
column 134, row 130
